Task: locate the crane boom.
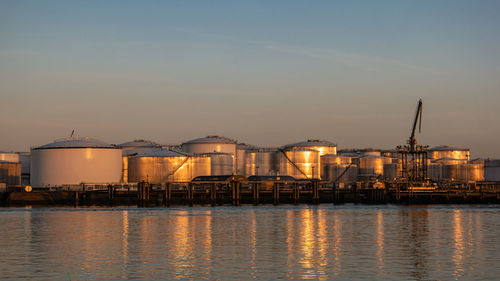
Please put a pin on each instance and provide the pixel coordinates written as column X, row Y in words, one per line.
column 412, row 141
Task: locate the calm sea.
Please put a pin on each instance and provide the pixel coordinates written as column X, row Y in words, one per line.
column 323, row 242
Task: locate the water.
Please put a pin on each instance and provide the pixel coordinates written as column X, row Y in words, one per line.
column 265, row 243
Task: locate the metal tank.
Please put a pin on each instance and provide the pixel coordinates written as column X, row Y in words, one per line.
column 332, row 159
column 10, row 173
column 262, row 162
column 463, row 172
column 135, row 147
column 167, row 166
column 212, row 144
column 74, row 161
column 372, row 164
column 492, row 170
column 371, row 153
column 444, row 151
column 435, row 171
column 242, row 150
column 392, row 170
column 221, row 164
column 332, row 172
column 323, row 147
column 9, row 156
column 300, row 163
column 449, row 161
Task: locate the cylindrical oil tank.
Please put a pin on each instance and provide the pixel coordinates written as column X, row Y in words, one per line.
column 463, row 172
column 10, row 173
column 435, row 171
column 241, row 155
column 74, row 161
column 492, row 170
column 262, row 162
column 167, row 166
column 300, row 163
column 392, row 170
column 332, row 172
column 323, row 147
column 212, row 144
column 221, row 164
column 391, row 153
column 332, row 159
column 444, row 151
column 449, row 161
column 372, row 164
column 371, row 153
column 9, row 156
column 133, row 148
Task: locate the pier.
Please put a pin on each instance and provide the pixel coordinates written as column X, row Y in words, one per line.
column 236, row 191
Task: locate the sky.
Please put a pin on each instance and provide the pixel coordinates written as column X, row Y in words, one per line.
column 266, row 73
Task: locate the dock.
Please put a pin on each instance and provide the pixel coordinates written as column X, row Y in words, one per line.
column 236, row 191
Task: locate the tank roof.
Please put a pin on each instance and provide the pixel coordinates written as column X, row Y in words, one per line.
column 139, row 143
column 163, row 153
column 211, row 139
column 334, row 155
column 310, row 142
column 245, row 146
column 446, row 148
column 76, row 143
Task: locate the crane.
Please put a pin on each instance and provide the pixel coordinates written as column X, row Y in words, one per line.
column 414, row 156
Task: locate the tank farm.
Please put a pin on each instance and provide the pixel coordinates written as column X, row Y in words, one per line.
column 216, row 170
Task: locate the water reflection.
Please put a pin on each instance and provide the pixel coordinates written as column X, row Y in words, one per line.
column 304, row 242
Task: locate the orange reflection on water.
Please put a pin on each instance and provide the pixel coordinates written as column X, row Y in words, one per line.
column 459, row 245
column 380, row 239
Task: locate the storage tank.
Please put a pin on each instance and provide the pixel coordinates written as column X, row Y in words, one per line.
column 10, row 173
column 167, row 166
column 323, row 147
column 74, row 161
column 332, row 159
column 449, row 161
column 262, row 162
column 300, row 161
column 492, row 170
column 332, row 171
column 9, row 156
column 212, row 144
column 435, row 171
column 372, row 164
column 221, row 164
column 134, row 148
column 392, row 171
column 241, row 155
column 463, row 172
column 444, row 151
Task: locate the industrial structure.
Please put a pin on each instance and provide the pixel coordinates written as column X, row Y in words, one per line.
column 74, row 161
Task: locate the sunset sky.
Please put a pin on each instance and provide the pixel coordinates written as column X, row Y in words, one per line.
column 263, row 72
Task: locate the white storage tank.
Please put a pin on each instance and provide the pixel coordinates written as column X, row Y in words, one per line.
column 242, row 149
column 221, row 164
column 300, row 163
column 332, row 172
column 262, row 162
column 211, row 144
column 444, row 151
column 392, row 171
column 492, row 170
column 372, row 164
column 332, row 159
column 167, row 166
column 133, row 148
column 323, row 147
column 74, row 161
